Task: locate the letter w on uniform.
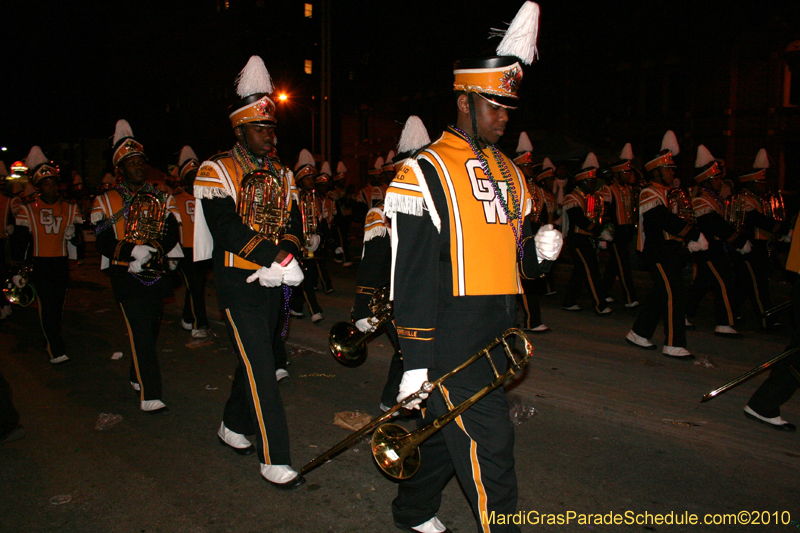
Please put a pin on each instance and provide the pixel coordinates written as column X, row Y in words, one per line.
column 51, row 224
column 482, row 190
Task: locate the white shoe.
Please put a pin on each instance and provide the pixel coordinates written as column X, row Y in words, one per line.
column 638, row 340
column 777, row 422
column 153, row 406
column 541, row 328
column 234, row 440
column 316, row 317
column 687, row 323
column 185, row 325
column 59, row 359
column 136, row 386
column 605, row 311
column 298, row 314
column 726, row 331
column 632, row 304
column 200, row 333
column 434, row 525
column 609, row 300
column 279, row 474
column 281, row 374
column 575, row 307
column 678, row 352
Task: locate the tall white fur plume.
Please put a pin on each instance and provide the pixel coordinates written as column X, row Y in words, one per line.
column 524, row 143
column 326, row 168
column 670, row 142
column 186, row 154
column 547, row 164
column 340, row 168
column 414, row 135
column 704, row 157
column 762, row 160
column 389, row 157
column 254, row 78
column 591, row 161
column 521, row 36
column 35, row 158
column 627, row 152
column 378, row 163
column 122, row 130
column 305, row 158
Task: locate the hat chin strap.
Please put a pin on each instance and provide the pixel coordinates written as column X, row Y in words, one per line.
column 473, row 118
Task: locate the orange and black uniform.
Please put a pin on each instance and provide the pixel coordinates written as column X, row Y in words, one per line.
column 619, row 199
column 543, row 212
column 661, row 237
column 304, row 293
column 455, row 282
column 140, row 299
column 6, row 222
column 253, row 312
column 714, row 272
column 582, row 236
column 194, row 274
column 46, row 226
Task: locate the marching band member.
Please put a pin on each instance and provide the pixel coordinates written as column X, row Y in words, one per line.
column 714, row 271
column 583, row 230
column 454, row 286
column 249, row 270
column 6, row 229
column 375, row 191
column 343, row 217
column 660, row 239
column 139, row 295
column 47, row 223
column 620, row 200
column 327, row 212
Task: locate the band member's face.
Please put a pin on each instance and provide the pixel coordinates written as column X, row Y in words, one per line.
column 491, row 120
column 133, row 168
column 307, row 183
column 715, row 183
column 258, row 138
column 627, row 177
column 667, row 175
column 759, row 186
column 48, row 190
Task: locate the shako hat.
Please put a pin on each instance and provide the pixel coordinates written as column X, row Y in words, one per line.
column 388, row 163
column 589, row 168
column 705, row 165
column 125, row 145
column 341, row 171
column 305, row 166
column 254, row 86
column 625, row 158
column 324, row 175
column 524, row 148
column 376, row 168
column 413, row 137
column 547, row 170
column 39, row 167
column 760, row 166
column 669, row 148
column 187, row 161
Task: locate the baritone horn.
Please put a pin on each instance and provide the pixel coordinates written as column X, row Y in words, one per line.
column 347, row 343
column 262, row 203
column 146, row 224
column 308, row 211
column 395, row 450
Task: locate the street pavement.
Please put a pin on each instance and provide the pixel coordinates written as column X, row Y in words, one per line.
column 617, row 432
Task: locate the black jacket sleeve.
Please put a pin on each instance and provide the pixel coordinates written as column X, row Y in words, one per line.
column 374, row 271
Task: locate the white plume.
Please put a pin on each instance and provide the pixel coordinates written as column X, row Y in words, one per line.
column 521, row 36
column 389, row 157
column 122, row 130
column 762, row 160
column 524, row 143
column 547, row 164
column 253, row 79
column 627, row 152
column 414, row 135
column 670, row 142
column 326, row 168
column 186, row 154
column 340, row 168
column 591, row 161
column 704, row 157
column 305, row 158
column 35, row 158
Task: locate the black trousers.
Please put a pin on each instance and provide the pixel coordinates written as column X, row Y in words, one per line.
column 619, row 263
column 194, row 277
column 341, row 228
column 529, row 303
column 304, row 293
column 665, row 301
column 9, row 416
column 392, row 387
column 714, row 274
column 255, row 404
column 323, row 275
column 584, row 270
column 51, row 278
column 752, row 274
column 478, row 448
column 143, row 318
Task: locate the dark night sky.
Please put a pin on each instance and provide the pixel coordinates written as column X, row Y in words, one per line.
column 71, row 69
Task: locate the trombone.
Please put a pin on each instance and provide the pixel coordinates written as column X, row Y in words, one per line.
column 747, row 375
column 347, row 344
column 395, row 450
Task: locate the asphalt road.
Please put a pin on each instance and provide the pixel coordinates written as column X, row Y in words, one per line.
column 617, row 432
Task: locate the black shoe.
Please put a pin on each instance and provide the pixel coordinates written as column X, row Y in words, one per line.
column 250, row 450
column 289, row 486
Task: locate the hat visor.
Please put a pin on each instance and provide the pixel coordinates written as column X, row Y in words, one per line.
column 501, row 101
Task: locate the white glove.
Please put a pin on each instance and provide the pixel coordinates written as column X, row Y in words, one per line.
column 364, row 325
column 292, row 273
column 135, row 266
column 267, row 277
column 173, row 264
column 603, row 245
column 69, row 232
column 313, row 243
column 19, row 281
column 412, row 381
column 746, row 249
column 338, row 250
column 699, row 245
column 142, row 253
column 605, row 235
column 548, row 243
column 787, row 237
column 9, row 229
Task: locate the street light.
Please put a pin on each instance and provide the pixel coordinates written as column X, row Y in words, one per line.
column 283, row 97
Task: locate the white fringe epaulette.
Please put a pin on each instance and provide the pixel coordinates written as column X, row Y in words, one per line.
column 202, row 191
column 377, row 231
column 401, row 203
column 521, row 36
column 703, row 211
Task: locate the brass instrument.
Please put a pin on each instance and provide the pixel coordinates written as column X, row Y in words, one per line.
column 22, row 296
column 735, row 210
column 395, row 450
column 747, row 375
column 537, row 202
column 308, row 211
column 262, row 203
column 147, row 217
column 594, row 207
column 774, row 206
column 347, row 344
column 680, row 205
